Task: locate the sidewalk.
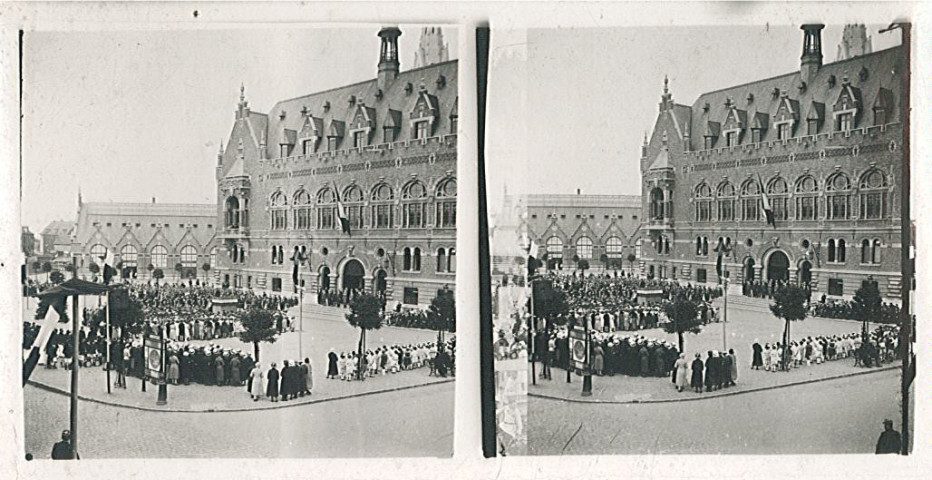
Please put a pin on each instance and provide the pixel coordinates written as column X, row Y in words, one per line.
column 625, row 389
column 92, row 386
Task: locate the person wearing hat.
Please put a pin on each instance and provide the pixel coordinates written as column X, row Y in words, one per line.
column 307, row 371
column 758, row 360
column 332, row 369
column 256, row 382
column 63, row 450
column 271, row 390
column 890, row 440
column 235, row 364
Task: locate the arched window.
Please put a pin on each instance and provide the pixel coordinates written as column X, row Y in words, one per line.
column 777, row 193
column 159, row 256
column 666, row 245
column 584, row 247
column 281, row 255
column 703, row 203
column 637, row 247
column 278, row 206
column 840, row 251
column 441, row 259
column 326, row 207
column 383, row 210
column 831, row 249
column 705, row 245
column 98, row 252
column 232, row 212
column 555, row 247
column 750, row 200
column 414, row 205
column 725, row 201
column 416, row 260
column 213, row 257
column 613, row 247
column 866, row 251
column 406, row 265
column 451, row 260
column 302, row 210
column 698, row 245
column 274, row 255
column 352, row 204
column 838, row 196
column 871, row 190
column 875, row 251
column 129, row 256
column 657, row 203
column 807, row 207
column 189, row 256
column 446, row 203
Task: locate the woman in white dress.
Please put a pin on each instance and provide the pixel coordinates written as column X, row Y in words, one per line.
column 766, row 357
column 258, row 382
column 682, row 375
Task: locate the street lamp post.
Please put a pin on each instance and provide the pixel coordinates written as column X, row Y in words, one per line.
column 300, row 320
column 725, row 315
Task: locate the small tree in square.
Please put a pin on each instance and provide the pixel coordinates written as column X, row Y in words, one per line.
column 684, row 318
column 258, row 326
column 365, row 314
column 789, row 303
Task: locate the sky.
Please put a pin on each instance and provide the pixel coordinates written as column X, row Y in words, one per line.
column 592, row 93
column 131, row 115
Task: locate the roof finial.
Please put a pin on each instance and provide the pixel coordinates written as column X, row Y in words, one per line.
column 664, row 138
column 665, row 82
column 242, row 92
column 80, row 200
column 221, row 146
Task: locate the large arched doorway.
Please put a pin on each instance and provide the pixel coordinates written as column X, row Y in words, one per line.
column 778, row 267
column 353, row 274
column 805, row 273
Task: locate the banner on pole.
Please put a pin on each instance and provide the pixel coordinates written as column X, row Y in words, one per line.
column 153, row 351
column 578, row 349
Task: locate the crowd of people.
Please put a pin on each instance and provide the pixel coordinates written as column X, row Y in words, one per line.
column 889, row 313
column 393, row 359
column 596, row 292
column 882, row 346
column 294, row 380
column 613, row 354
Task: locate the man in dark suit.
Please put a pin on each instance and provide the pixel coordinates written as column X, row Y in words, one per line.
column 889, row 441
column 63, row 450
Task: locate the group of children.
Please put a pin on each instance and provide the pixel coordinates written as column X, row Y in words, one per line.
column 380, row 361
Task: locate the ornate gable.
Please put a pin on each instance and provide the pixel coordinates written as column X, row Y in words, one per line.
column 816, row 112
column 312, row 129
column 188, row 239
column 426, row 107
column 363, row 118
column 613, row 230
column 849, row 98
column 787, row 110
column 159, row 238
column 735, row 119
column 128, row 238
column 583, row 230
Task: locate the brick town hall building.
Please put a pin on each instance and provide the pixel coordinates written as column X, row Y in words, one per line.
column 826, row 142
column 385, row 147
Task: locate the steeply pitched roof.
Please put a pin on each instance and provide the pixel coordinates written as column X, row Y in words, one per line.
column 883, row 71
column 58, row 227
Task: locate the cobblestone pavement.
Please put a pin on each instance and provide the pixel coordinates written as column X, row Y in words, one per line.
column 836, row 416
column 324, row 328
column 415, row 422
column 746, row 323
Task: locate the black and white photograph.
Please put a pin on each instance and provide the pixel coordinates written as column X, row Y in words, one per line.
column 697, row 238
column 252, row 231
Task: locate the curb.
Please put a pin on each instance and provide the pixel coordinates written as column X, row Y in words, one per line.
column 57, row 390
column 719, row 395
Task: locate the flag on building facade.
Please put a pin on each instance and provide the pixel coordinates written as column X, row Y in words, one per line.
column 341, row 214
column 106, row 270
column 765, row 205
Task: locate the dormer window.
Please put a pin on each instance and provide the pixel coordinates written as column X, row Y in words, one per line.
column 421, row 130
column 812, row 127
column 391, row 127
column 731, row 138
column 845, row 122
column 284, row 151
column 359, row 139
column 756, row 135
column 882, row 107
column 783, row 131
column 334, row 135
column 712, row 131
column 307, row 147
column 708, row 143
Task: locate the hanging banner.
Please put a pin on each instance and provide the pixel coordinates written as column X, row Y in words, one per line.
column 578, row 349
column 153, row 360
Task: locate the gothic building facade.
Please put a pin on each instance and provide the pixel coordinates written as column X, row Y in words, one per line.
column 381, row 153
column 177, row 239
column 603, row 230
column 822, row 145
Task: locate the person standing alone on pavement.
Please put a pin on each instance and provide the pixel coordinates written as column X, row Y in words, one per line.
column 63, row 450
column 889, row 441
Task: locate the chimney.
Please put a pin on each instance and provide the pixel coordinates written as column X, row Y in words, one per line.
column 578, row 191
column 388, row 56
column 811, row 60
column 153, row 199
